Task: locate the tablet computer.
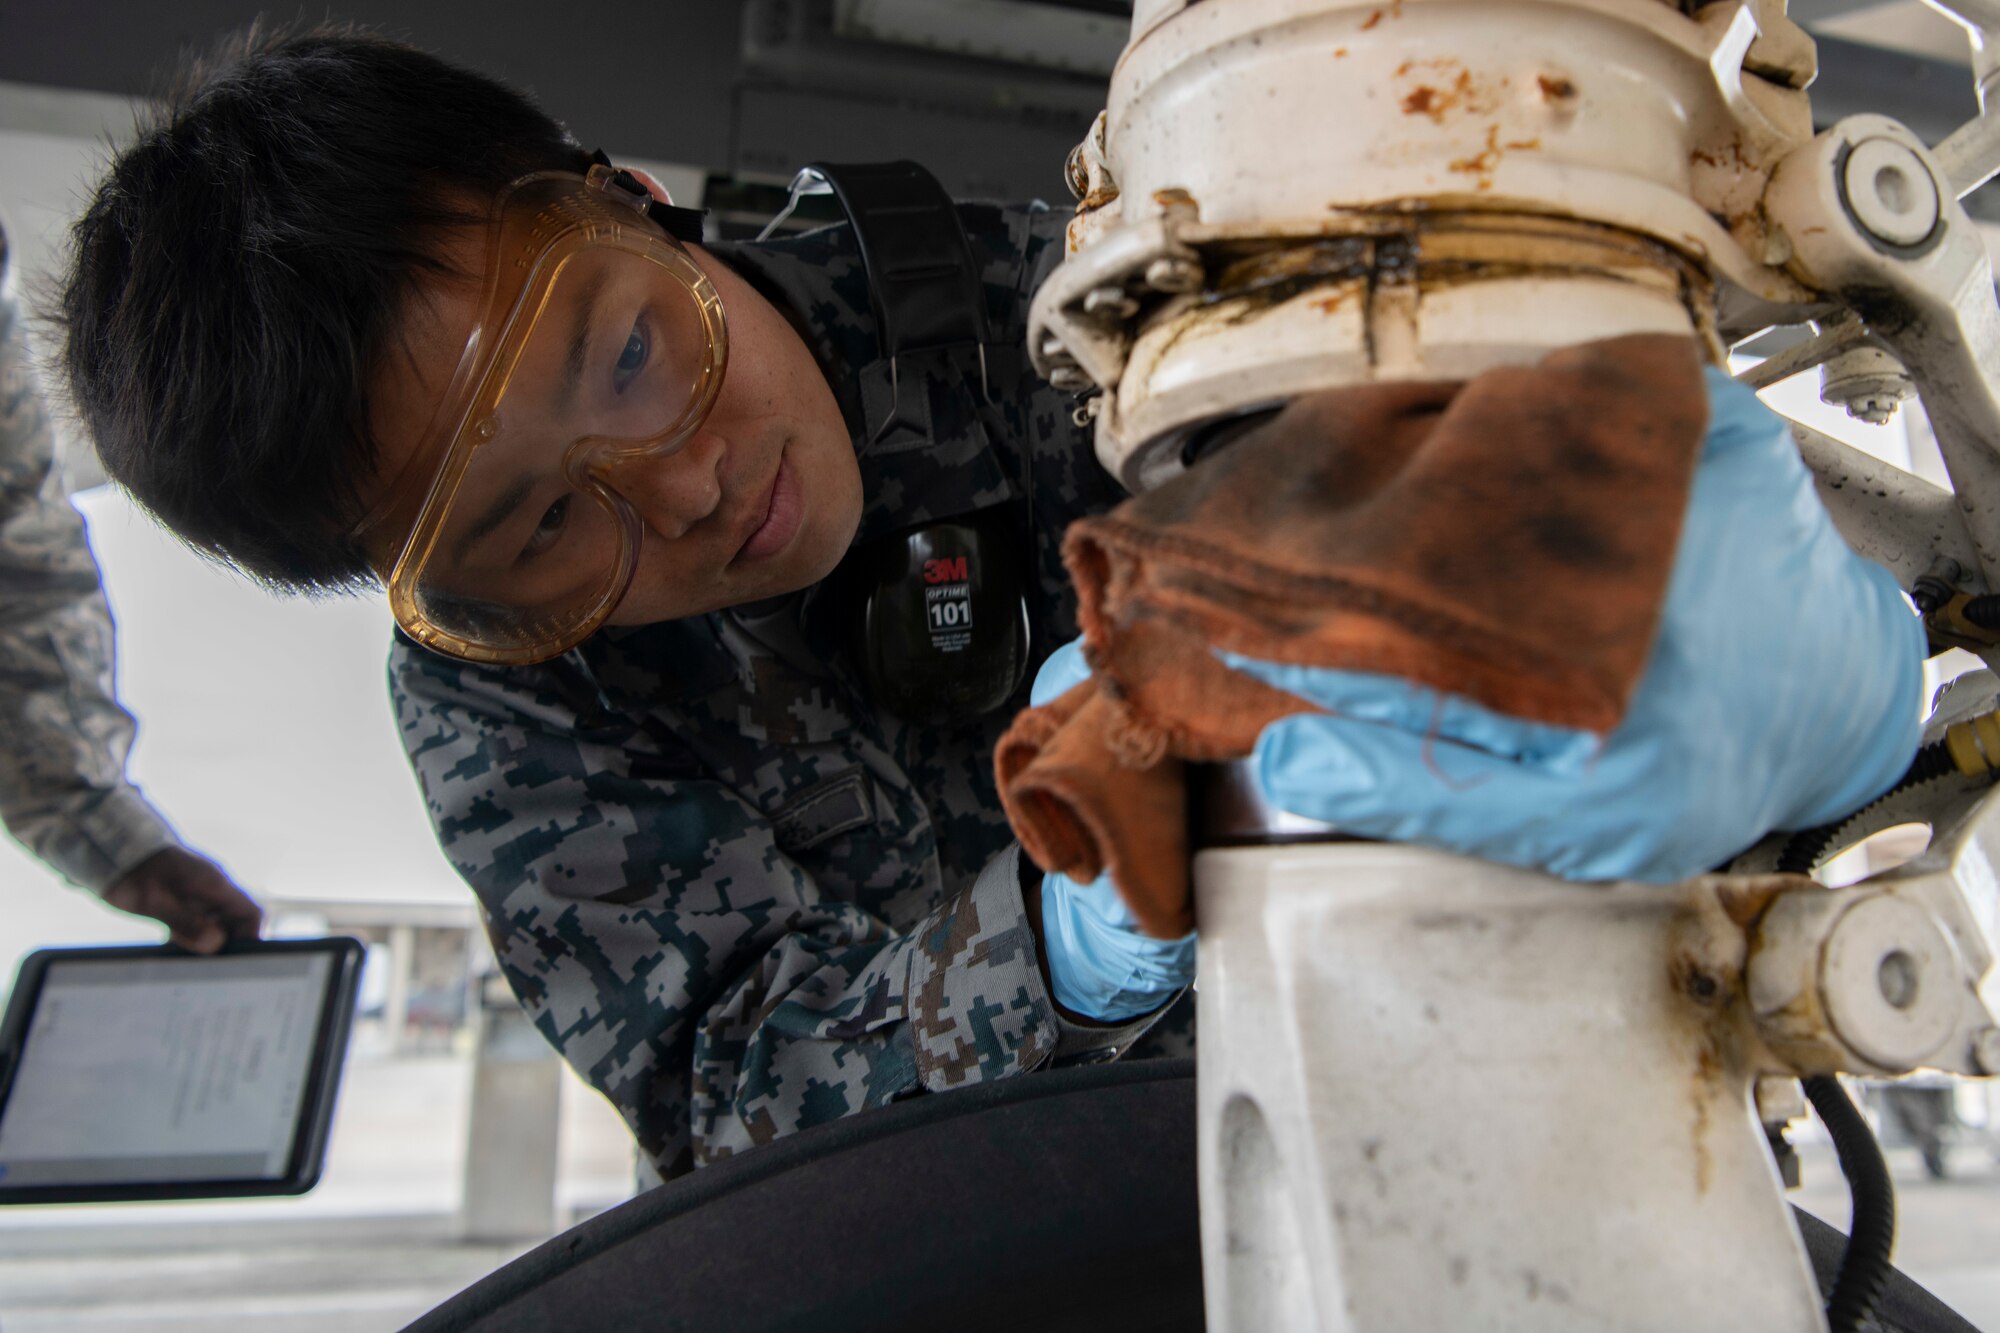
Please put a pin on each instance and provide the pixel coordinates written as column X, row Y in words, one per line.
column 147, row 1073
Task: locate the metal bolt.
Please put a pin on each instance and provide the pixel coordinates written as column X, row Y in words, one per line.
column 1112, row 301
column 1071, row 379
column 1174, row 274
column 1867, row 381
column 1076, row 172
column 1986, row 1051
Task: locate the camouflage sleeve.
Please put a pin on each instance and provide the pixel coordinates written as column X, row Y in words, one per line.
column 63, row 736
column 683, row 964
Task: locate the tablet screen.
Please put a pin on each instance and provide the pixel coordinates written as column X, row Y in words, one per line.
column 164, row 1069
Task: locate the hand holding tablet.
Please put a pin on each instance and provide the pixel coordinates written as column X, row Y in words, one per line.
column 150, row 1073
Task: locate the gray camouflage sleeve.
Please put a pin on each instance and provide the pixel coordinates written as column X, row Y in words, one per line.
column 63, row 735
column 689, row 969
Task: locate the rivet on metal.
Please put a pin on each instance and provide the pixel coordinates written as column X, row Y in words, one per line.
column 1173, row 274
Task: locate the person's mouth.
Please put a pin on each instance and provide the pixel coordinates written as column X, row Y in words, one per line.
column 779, row 517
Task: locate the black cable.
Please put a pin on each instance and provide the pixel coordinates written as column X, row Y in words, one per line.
column 1864, row 1268
column 1807, row 848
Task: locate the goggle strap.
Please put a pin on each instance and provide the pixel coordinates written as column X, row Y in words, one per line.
column 683, row 224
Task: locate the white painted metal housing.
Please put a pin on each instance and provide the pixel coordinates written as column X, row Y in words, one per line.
column 1440, row 1094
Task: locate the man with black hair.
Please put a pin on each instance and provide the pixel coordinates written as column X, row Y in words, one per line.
column 63, row 735
column 737, row 894
column 345, row 314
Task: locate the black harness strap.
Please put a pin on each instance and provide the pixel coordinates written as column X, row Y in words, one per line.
column 921, row 276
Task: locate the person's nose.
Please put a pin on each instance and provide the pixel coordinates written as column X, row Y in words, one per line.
column 674, row 492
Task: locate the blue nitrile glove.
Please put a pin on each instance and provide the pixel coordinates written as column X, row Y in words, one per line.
column 1101, row 965
column 1783, row 692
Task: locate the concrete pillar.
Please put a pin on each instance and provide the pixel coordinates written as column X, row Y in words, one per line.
column 396, row 1005
column 511, row 1140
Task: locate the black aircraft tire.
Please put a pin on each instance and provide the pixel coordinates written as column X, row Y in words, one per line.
column 1060, row 1201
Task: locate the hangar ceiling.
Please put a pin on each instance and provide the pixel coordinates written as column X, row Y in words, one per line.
column 991, row 94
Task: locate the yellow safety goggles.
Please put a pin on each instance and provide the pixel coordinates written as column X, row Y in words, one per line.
column 600, row 344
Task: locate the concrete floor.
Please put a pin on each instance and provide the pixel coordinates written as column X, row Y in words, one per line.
column 375, row 1246
column 350, row 1288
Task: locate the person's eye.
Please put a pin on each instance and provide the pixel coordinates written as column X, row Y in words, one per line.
column 632, row 360
column 549, row 531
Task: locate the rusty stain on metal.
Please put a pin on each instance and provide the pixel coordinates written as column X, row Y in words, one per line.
column 1695, row 979
column 1175, row 199
column 1394, row 11
column 1735, row 157
column 1076, row 171
column 1423, row 101
column 1340, row 53
column 1439, row 249
column 1705, row 1089
column 1555, row 88
column 1350, row 260
column 1177, row 325
column 1260, row 280
column 1449, row 86
column 1744, row 898
column 1704, row 1001
column 1481, row 164
column 1731, row 157
column 1728, row 179
column 1097, row 198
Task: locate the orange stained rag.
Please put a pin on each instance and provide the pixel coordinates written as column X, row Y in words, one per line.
column 1506, row 538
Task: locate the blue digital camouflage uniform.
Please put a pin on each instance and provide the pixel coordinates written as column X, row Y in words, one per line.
column 63, row 736
column 737, row 897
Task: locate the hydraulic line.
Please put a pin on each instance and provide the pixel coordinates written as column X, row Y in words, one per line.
column 1871, row 1235
column 1983, row 611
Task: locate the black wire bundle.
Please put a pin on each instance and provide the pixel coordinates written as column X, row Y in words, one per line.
column 1872, row 1233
